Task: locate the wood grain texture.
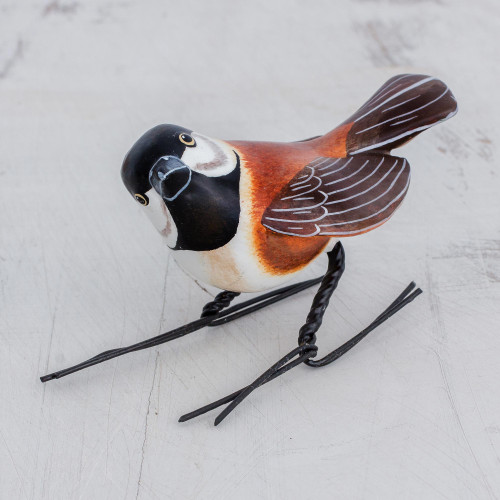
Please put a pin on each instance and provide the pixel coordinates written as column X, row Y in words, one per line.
column 412, row 412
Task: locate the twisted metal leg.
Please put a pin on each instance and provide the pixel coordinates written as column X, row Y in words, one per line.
column 214, row 313
column 307, row 337
column 221, row 301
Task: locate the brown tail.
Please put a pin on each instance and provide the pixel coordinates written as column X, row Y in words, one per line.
column 402, row 108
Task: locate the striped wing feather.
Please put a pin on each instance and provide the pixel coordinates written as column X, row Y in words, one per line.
column 340, row 196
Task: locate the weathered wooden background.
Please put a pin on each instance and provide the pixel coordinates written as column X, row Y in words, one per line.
column 412, row 412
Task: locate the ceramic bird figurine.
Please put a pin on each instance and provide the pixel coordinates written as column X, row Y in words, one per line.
column 247, row 216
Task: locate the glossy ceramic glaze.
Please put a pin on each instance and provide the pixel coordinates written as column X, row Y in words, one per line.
column 246, row 216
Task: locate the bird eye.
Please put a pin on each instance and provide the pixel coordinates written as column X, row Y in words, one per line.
column 142, row 199
column 187, row 140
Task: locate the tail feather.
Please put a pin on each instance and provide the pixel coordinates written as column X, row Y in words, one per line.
column 402, row 108
column 355, row 185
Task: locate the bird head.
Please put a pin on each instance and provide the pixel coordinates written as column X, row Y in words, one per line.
column 188, row 184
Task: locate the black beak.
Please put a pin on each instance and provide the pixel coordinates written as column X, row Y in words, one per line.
column 170, row 176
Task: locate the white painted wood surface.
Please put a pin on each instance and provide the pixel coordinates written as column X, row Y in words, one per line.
column 412, row 412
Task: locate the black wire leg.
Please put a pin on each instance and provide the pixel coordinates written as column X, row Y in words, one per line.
column 220, row 302
column 306, row 349
column 307, row 337
column 213, row 314
column 407, row 296
column 286, row 363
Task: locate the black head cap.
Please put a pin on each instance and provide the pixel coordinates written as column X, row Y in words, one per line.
column 159, row 141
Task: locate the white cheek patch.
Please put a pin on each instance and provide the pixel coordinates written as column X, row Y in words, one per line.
column 160, row 217
column 210, row 157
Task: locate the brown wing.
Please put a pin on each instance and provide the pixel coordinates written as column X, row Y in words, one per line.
column 340, row 196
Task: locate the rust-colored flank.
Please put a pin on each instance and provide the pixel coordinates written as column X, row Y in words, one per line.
column 270, row 166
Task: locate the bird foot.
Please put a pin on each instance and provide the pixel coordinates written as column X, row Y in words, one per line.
column 219, row 312
column 307, row 349
column 215, row 313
